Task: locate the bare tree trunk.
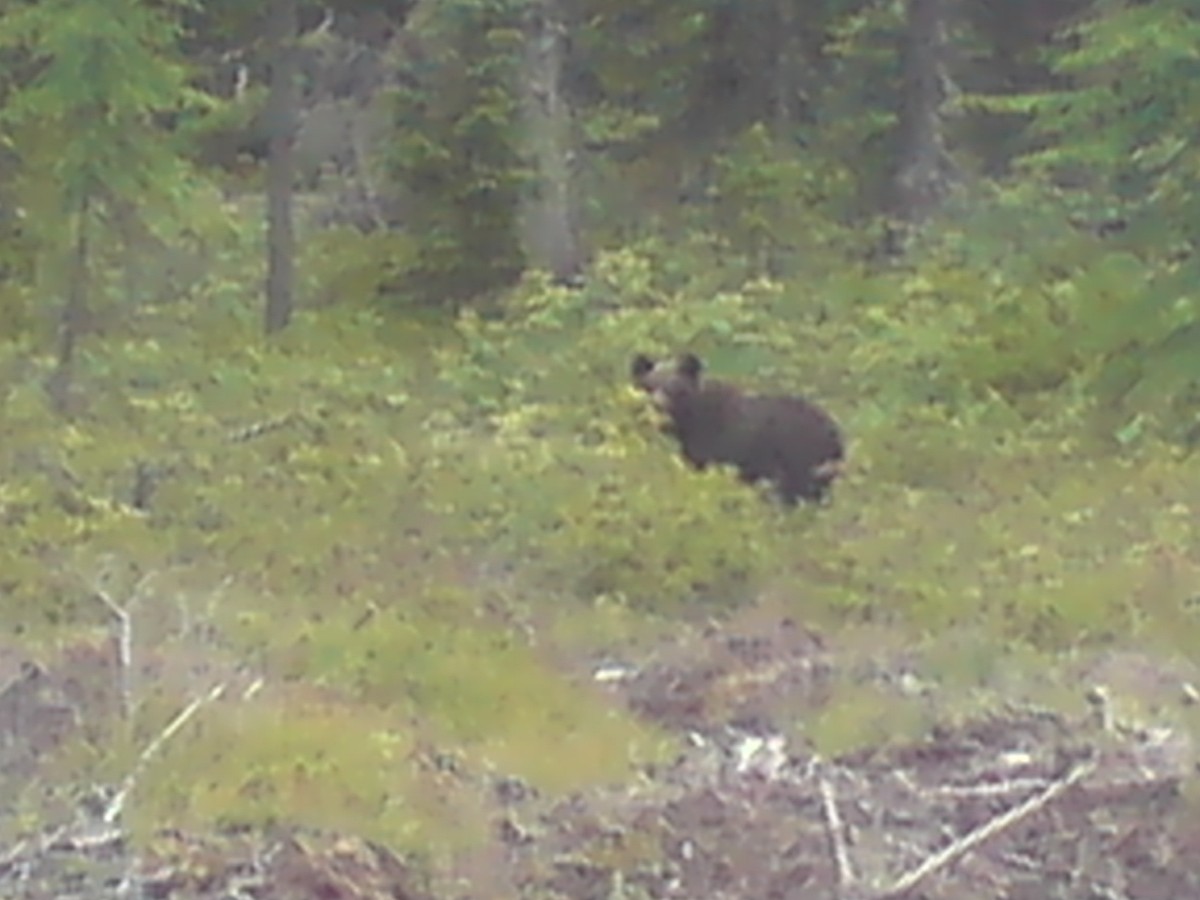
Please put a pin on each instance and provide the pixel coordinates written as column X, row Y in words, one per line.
column 787, row 67
column 924, row 170
column 361, row 166
column 551, row 211
column 74, row 313
column 283, row 112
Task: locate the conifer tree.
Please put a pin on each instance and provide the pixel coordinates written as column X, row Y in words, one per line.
column 86, row 129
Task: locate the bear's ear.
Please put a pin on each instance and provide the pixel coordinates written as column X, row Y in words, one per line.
column 690, row 366
column 642, row 366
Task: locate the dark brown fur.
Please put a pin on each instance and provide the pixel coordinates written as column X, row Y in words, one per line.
column 784, row 439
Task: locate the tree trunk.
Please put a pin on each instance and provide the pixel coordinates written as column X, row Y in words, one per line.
column 787, row 86
column 283, row 113
column 924, row 170
column 551, row 211
column 74, row 313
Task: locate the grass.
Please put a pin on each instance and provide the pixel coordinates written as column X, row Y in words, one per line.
column 433, row 545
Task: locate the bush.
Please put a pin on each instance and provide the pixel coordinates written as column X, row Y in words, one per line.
column 552, row 460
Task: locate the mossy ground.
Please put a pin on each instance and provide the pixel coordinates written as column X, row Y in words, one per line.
column 439, row 529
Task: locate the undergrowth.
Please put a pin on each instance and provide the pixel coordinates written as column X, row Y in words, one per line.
column 405, row 545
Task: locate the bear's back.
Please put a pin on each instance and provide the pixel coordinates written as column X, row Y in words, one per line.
column 798, row 424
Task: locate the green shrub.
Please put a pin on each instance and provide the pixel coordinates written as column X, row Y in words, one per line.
column 551, row 460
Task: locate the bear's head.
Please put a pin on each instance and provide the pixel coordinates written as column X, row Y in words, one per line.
column 669, row 383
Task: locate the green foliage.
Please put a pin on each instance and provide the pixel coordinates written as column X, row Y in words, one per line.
column 644, row 54
column 610, row 521
column 105, row 68
column 857, row 114
column 944, row 395
column 335, row 578
column 456, row 153
column 407, row 532
column 544, row 399
column 609, row 125
column 212, row 130
column 774, row 202
column 303, row 759
column 1118, row 132
column 859, row 718
column 1128, row 113
column 95, row 176
column 306, row 756
column 918, row 364
column 408, row 559
column 476, row 685
column 16, row 309
column 1007, row 296
column 346, row 266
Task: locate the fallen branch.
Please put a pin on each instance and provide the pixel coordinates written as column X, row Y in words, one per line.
column 120, row 616
column 115, row 806
column 968, row 842
column 835, row 829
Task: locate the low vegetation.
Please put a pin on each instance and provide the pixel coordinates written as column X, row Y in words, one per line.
column 402, row 554
column 411, row 533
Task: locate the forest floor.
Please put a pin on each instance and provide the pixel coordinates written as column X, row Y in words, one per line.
column 1005, row 802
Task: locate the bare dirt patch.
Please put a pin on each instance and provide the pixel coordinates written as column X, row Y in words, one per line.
column 1012, row 802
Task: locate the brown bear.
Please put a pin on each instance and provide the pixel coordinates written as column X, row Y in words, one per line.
column 786, row 440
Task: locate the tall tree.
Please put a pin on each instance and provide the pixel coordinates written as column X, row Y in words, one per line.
column 457, row 150
column 283, row 116
column 83, row 129
column 552, row 221
column 1123, row 120
column 1121, row 139
column 923, row 167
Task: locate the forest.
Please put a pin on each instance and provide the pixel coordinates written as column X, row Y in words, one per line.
column 343, row 558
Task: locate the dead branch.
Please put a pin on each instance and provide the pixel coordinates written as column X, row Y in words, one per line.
column 835, row 830
column 968, row 842
column 115, row 806
column 124, row 624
